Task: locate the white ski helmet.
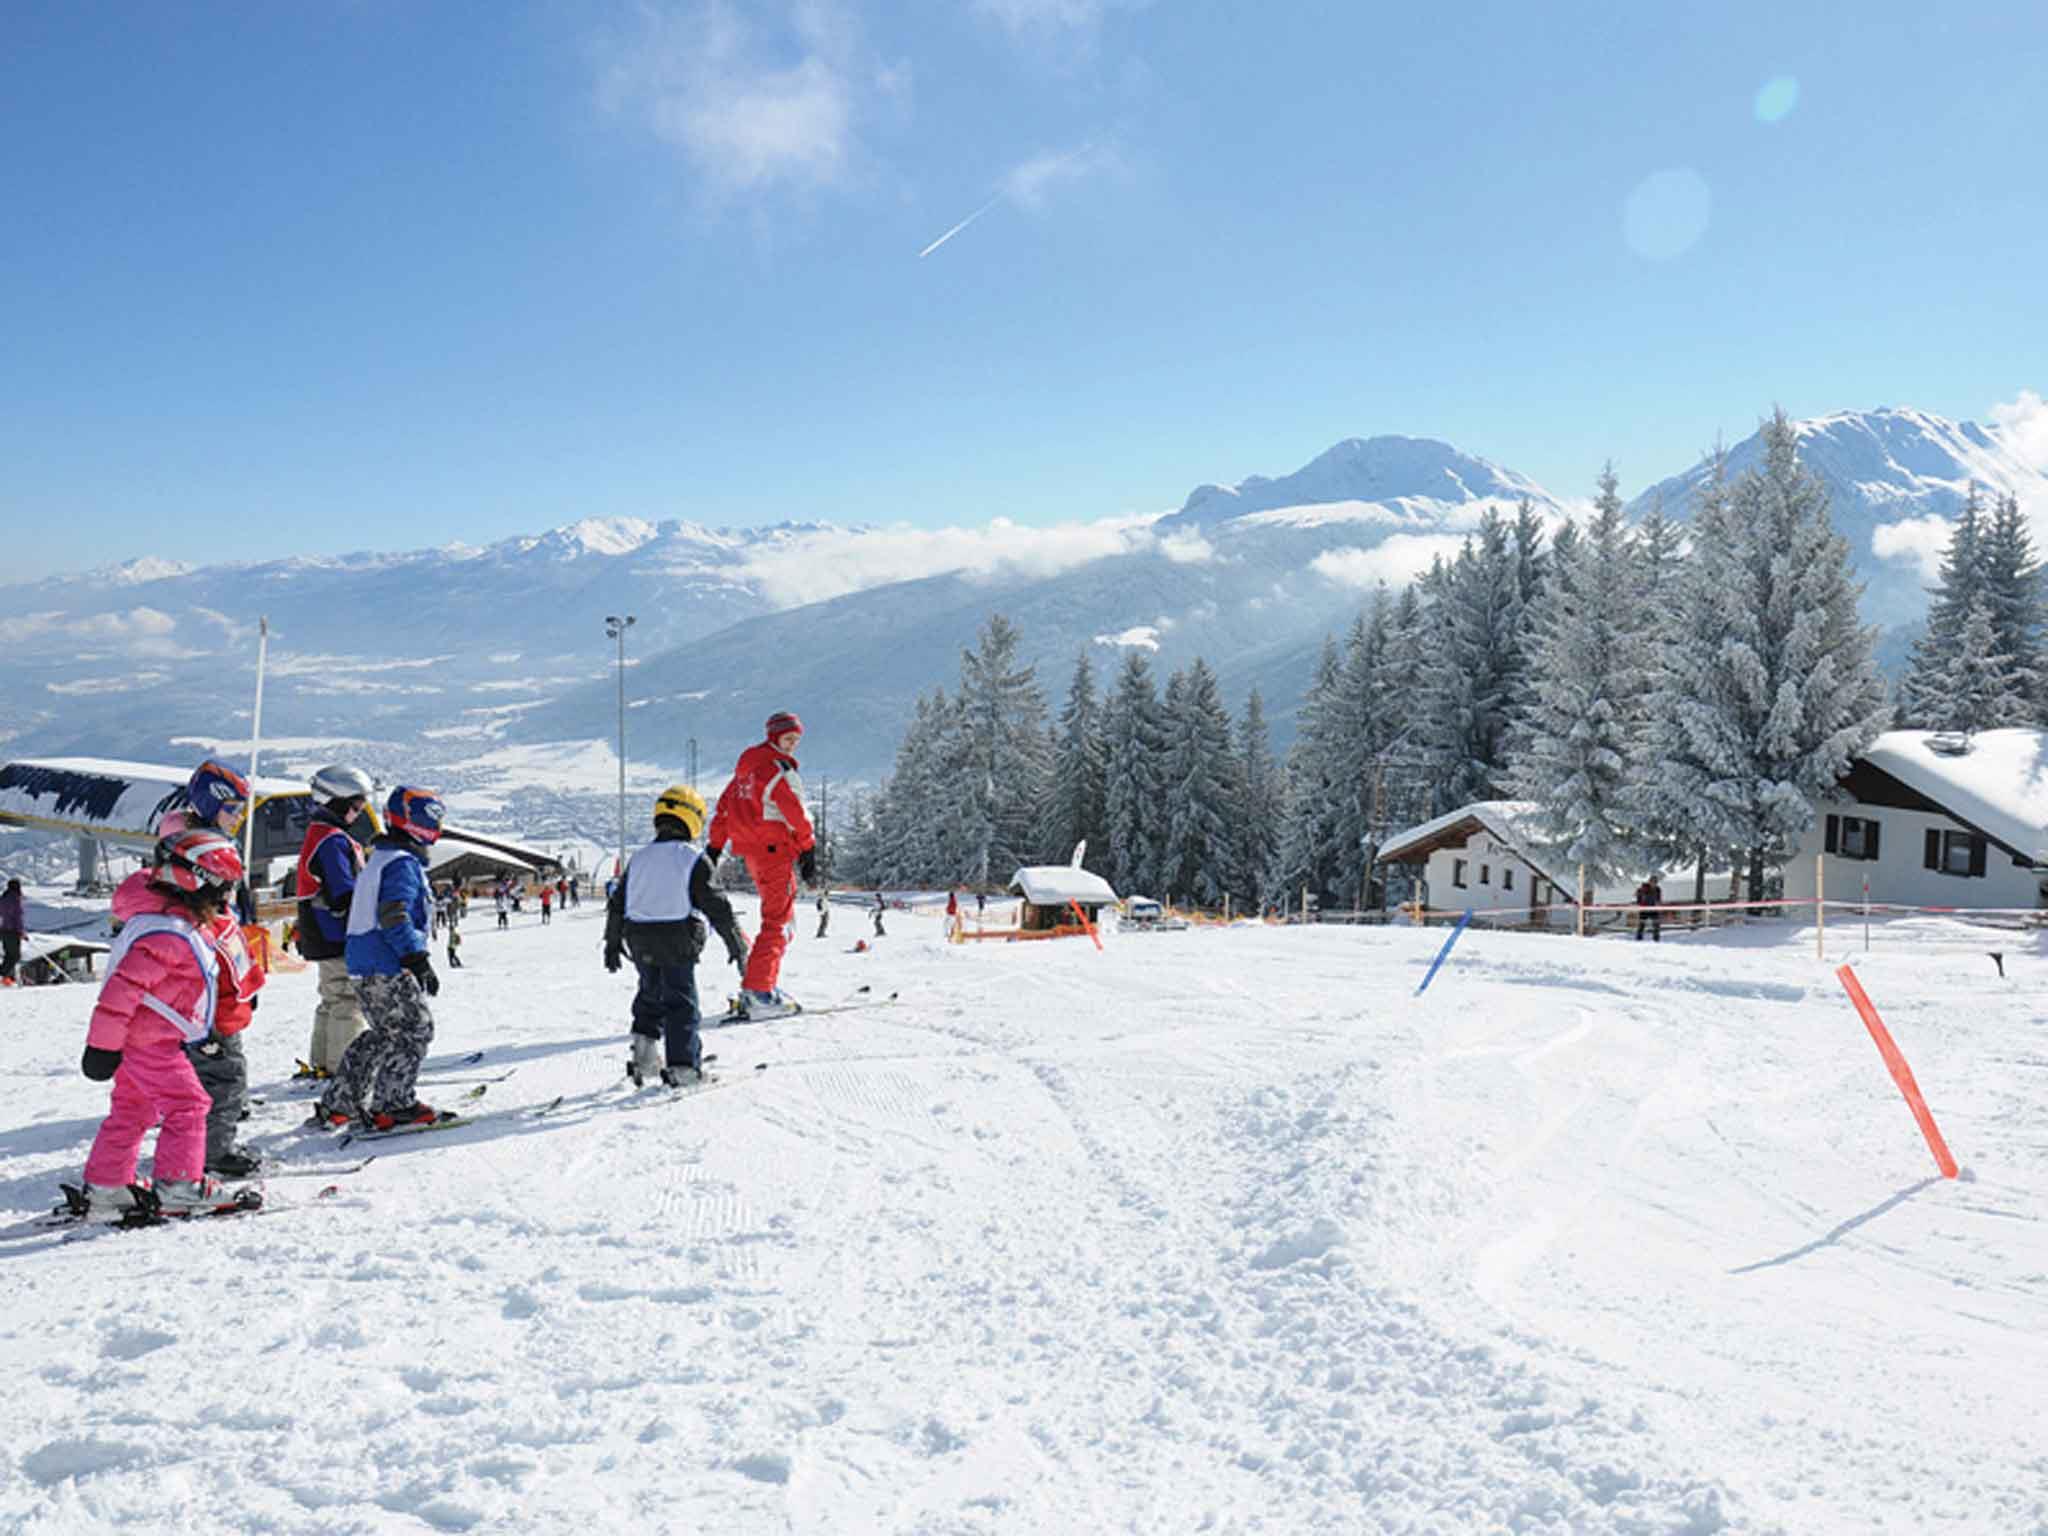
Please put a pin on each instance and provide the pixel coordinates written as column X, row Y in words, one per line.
column 340, row 781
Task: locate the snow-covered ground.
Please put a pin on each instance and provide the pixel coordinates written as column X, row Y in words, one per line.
column 1218, row 1230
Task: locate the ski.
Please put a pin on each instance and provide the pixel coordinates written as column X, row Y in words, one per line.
column 306, row 1171
column 457, row 1082
column 447, row 1120
column 452, row 1062
column 735, row 1015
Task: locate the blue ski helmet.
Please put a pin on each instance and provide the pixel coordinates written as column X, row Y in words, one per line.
column 415, row 812
column 218, row 795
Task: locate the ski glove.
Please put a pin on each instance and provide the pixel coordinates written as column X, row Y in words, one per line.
column 737, row 954
column 423, row 972
column 612, row 960
column 807, row 865
column 99, row 1064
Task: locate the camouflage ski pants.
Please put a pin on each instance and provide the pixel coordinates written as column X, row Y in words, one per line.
column 380, row 1070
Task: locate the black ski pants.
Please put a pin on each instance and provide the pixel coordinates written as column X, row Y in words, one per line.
column 665, row 1009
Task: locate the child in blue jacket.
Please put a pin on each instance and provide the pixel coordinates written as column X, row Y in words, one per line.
column 388, row 923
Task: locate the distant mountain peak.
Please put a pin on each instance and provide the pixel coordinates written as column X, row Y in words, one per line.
column 1389, row 469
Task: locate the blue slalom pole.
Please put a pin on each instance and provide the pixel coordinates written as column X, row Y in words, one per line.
column 1444, row 953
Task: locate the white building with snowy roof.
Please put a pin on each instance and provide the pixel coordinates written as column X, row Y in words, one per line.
column 1492, row 857
column 1934, row 820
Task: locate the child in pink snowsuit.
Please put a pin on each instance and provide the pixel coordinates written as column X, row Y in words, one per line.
column 161, row 993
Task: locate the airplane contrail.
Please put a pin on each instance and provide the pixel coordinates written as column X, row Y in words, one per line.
column 949, row 234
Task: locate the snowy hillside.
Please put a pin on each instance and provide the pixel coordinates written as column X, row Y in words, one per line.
column 1216, row 1230
column 1895, row 477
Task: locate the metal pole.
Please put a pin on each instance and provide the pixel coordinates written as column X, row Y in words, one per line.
column 255, row 747
column 616, row 627
column 1866, row 913
column 1820, row 906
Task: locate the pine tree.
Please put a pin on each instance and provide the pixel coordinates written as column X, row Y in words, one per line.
column 1770, row 687
column 1264, row 807
column 1475, row 665
column 1203, row 790
column 1133, row 799
column 1956, row 588
column 1979, row 691
column 1078, row 807
column 999, row 755
column 2012, row 599
column 1315, row 788
column 1586, row 704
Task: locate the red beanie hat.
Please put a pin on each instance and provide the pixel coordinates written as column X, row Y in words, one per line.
column 783, row 720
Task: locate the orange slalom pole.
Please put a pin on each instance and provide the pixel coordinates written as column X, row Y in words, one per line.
column 1087, row 926
column 1901, row 1073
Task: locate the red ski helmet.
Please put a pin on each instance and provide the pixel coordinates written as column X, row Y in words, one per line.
column 196, row 861
column 782, row 722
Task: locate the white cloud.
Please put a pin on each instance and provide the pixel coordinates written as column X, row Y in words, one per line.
column 1396, row 560
column 137, row 632
column 832, row 563
column 2023, row 425
column 1919, row 539
column 770, row 97
column 291, row 664
column 126, row 683
column 1144, row 637
column 1187, row 547
column 1026, row 185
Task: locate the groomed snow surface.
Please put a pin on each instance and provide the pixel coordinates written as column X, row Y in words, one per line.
column 1212, row 1231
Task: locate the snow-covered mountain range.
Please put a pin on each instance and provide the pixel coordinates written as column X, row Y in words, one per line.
column 459, row 662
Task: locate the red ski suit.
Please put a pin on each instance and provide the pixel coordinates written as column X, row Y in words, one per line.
column 761, row 817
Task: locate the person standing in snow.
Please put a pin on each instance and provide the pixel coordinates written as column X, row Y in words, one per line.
column 504, row 921
column 160, row 997
column 215, row 799
column 880, row 907
column 657, row 915
column 1649, row 897
column 824, row 914
column 454, row 947
column 547, row 905
column 761, row 817
column 329, row 861
column 13, row 925
column 387, row 961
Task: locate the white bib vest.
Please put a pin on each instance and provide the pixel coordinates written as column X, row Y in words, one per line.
column 362, row 905
column 658, row 883
column 193, row 1030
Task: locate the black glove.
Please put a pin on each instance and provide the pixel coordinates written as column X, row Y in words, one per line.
column 612, row 960
column 737, row 954
column 210, row 1047
column 713, row 855
column 99, row 1064
column 423, row 972
column 807, row 865
column 254, row 1002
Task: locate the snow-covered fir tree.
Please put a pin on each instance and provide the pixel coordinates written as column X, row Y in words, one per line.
column 1979, row 689
column 1078, row 809
column 1475, row 668
column 1307, row 857
column 1585, row 705
column 999, row 756
column 1264, row 806
column 1133, row 738
column 2013, row 606
column 1204, row 792
column 1770, row 687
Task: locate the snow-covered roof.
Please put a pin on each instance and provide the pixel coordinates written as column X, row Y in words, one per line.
column 112, row 799
column 45, row 946
column 1999, row 784
column 1054, row 885
column 1512, row 821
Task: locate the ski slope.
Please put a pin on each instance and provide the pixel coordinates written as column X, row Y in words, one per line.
column 1220, row 1230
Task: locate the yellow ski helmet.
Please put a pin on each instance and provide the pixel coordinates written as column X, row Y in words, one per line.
column 686, row 805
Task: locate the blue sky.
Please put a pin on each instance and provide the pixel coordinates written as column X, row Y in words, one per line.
column 311, row 278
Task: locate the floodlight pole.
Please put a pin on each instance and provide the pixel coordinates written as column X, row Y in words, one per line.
column 255, row 748
column 615, row 627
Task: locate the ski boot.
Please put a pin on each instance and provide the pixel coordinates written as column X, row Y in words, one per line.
column 772, row 1004
column 106, row 1203
column 411, row 1114
column 645, row 1060
column 325, row 1119
column 236, row 1163
column 682, row 1077
column 191, row 1197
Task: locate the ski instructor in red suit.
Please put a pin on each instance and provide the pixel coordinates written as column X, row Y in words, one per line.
column 761, row 817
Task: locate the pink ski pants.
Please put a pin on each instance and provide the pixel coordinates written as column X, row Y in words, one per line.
column 155, row 1086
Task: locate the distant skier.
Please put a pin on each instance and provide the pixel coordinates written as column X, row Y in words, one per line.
column 504, row 904
column 454, row 947
column 657, row 915
column 880, row 907
column 824, row 914
column 547, row 905
column 161, row 995
column 761, row 816
column 329, row 861
column 387, row 961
